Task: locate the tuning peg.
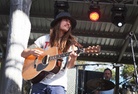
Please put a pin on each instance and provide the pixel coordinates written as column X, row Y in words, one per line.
column 89, row 54
column 97, row 54
column 93, row 46
column 89, row 47
column 95, row 51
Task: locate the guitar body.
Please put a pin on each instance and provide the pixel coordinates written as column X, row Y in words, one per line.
column 43, row 74
column 39, row 77
column 34, row 67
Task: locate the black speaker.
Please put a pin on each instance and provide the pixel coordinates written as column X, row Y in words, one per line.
column 83, row 77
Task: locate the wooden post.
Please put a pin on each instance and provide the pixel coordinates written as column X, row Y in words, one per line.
column 18, row 36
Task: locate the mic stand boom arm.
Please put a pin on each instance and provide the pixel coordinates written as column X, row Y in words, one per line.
column 134, row 61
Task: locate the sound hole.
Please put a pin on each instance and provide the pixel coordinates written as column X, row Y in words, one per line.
column 45, row 60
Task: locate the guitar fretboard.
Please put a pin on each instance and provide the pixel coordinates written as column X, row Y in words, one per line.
column 59, row 56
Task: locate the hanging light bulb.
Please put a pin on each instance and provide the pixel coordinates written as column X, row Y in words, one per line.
column 118, row 15
column 94, row 12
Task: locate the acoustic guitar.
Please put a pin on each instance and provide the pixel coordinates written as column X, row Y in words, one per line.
column 36, row 68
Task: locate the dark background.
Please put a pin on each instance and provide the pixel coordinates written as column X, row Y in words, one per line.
column 88, row 75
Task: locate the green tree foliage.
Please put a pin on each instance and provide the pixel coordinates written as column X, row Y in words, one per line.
column 128, row 73
column 128, row 70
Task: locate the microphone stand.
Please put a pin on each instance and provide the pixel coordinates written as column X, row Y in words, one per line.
column 134, row 61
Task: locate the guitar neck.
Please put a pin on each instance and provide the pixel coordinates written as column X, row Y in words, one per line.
column 59, row 56
column 89, row 50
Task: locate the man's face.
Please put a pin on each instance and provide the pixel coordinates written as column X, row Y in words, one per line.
column 65, row 25
column 107, row 75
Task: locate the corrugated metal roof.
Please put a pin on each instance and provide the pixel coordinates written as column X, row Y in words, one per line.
column 114, row 42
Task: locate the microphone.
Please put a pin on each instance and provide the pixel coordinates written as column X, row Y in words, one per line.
column 130, row 35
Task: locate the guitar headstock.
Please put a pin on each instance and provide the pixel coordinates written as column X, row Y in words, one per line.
column 93, row 49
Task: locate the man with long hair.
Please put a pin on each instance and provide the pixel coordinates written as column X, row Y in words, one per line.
column 60, row 36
